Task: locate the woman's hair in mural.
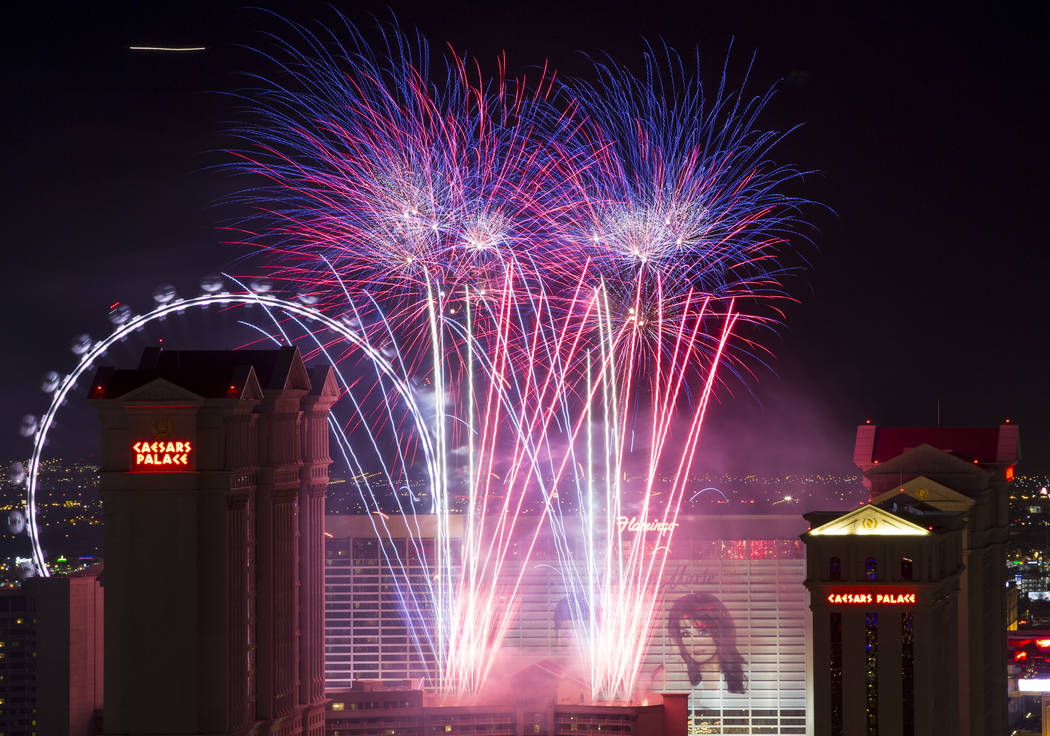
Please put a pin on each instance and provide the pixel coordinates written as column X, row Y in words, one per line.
column 705, row 610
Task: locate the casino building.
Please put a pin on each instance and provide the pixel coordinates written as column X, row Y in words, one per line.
column 745, row 572
column 908, row 591
column 214, row 473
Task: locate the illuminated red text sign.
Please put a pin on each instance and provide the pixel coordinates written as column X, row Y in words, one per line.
column 162, row 455
column 868, row 598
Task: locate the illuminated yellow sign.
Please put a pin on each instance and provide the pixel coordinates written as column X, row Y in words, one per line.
column 162, row 455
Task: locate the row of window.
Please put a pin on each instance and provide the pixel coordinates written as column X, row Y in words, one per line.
column 871, row 568
column 418, row 552
column 871, row 674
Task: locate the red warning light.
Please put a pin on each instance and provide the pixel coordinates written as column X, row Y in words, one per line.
column 1042, row 643
column 1020, row 656
column 1009, row 473
column 114, row 305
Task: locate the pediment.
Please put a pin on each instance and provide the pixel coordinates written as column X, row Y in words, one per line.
column 324, row 383
column 930, row 492
column 160, row 390
column 298, row 376
column 869, row 520
column 926, row 459
column 250, row 388
column 295, row 374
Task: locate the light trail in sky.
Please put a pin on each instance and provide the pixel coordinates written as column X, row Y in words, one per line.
column 560, row 270
column 167, row 48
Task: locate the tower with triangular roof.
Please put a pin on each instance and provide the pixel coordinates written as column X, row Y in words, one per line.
column 907, row 591
column 214, row 470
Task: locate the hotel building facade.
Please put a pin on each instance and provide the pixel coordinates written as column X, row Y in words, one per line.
column 745, row 574
column 908, row 592
column 214, row 473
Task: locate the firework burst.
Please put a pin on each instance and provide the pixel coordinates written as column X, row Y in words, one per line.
column 559, row 267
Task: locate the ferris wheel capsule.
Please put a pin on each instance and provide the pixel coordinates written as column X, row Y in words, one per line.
column 211, row 284
column 119, row 314
column 28, row 426
column 260, row 286
column 16, row 473
column 81, row 344
column 50, row 382
column 163, row 293
column 16, row 522
column 350, row 320
column 305, row 297
column 25, row 568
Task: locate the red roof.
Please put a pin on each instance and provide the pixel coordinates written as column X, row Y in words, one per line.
column 986, row 445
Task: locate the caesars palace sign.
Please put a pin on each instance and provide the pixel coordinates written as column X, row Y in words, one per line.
column 161, row 455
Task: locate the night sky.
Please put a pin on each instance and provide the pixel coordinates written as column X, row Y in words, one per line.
column 928, row 126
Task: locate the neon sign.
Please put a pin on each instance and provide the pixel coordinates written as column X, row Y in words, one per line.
column 866, row 598
column 633, row 525
column 162, row 455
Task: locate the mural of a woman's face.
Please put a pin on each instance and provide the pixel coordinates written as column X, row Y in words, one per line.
column 697, row 640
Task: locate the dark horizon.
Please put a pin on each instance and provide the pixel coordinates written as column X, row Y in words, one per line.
column 927, row 126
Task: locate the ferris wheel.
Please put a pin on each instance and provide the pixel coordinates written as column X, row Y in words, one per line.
column 279, row 311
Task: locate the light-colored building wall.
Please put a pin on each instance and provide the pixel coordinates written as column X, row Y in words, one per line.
column 753, row 565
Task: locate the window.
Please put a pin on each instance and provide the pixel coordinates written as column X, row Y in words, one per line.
column 365, row 550
column 835, row 665
column 835, row 569
column 871, row 568
column 871, row 674
column 907, row 675
column 906, row 568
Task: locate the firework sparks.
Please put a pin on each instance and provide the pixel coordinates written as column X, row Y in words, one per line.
column 555, row 280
